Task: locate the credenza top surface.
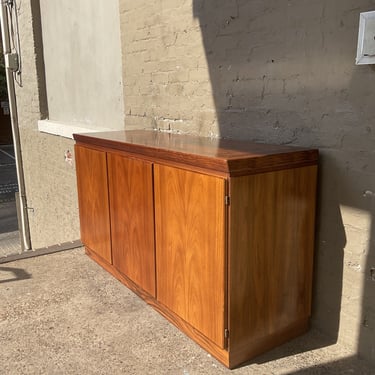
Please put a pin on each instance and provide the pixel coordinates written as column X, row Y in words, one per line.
column 235, row 157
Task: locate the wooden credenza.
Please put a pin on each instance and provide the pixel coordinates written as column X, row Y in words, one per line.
column 217, row 235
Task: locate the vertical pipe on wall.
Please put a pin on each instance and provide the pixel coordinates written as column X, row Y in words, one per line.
column 25, row 232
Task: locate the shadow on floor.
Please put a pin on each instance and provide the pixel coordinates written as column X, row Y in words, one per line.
column 349, row 365
column 306, row 345
column 9, row 274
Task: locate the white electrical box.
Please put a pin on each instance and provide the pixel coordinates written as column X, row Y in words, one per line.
column 366, row 39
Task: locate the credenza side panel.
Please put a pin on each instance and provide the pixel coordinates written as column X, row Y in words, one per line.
column 132, row 219
column 270, row 258
column 190, row 248
column 93, row 200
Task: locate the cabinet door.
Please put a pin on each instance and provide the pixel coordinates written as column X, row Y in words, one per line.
column 93, row 200
column 190, row 248
column 132, row 219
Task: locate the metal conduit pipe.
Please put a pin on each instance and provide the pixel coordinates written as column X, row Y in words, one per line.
column 10, row 59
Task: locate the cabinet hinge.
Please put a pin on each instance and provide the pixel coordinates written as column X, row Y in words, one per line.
column 227, row 200
column 226, row 333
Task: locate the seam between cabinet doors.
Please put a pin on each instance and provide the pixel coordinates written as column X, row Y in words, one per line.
column 226, row 204
column 154, row 222
column 109, row 205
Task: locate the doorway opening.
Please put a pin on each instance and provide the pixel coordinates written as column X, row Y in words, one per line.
column 9, row 228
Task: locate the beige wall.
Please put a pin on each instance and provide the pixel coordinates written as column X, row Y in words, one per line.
column 280, row 72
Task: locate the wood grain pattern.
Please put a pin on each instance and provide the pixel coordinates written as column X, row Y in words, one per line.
column 233, row 157
column 190, row 248
column 93, row 200
column 271, row 254
column 132, row 219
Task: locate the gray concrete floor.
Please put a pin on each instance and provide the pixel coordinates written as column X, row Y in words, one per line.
column 63, row 314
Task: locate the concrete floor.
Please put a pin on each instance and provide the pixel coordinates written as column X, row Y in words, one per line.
column 63, row 314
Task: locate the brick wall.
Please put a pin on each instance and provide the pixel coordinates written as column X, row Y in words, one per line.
column 280, row 72
column 166, row 78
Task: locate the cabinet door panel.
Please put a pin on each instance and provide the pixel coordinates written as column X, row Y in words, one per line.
column 190, row 248
column 93, row 200
column 132, row 222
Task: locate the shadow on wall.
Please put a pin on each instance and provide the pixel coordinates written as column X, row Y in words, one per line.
column 359, row 192
column 39, row 58
column 282, row 72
